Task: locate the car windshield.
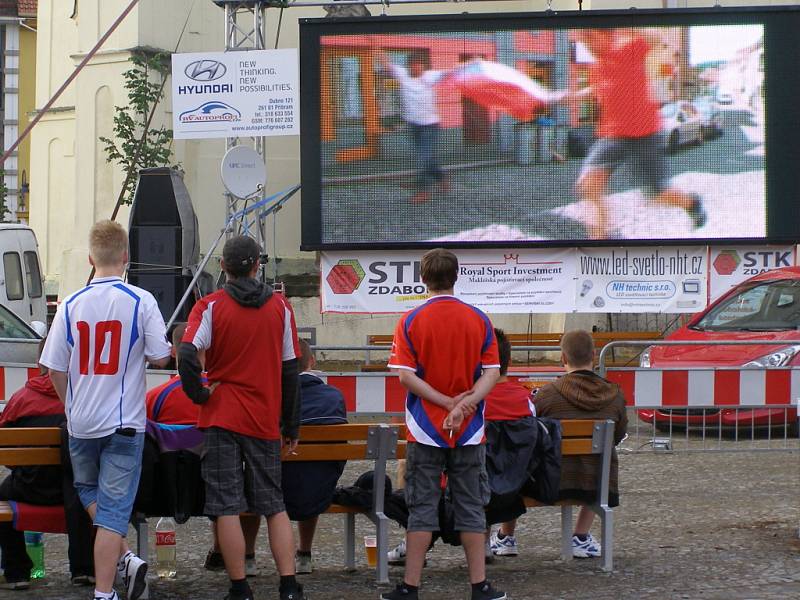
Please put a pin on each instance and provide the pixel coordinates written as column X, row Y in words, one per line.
column 768, row 306
column 669, row 110
column 11, row 326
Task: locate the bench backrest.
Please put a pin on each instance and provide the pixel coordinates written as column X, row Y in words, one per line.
column 359, row 441
column 30, row 446
column 587, row 436
column 601, row 338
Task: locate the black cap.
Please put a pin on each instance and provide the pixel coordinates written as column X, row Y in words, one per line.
column 240, row 254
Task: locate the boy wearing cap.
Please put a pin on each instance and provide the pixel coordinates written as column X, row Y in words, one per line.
column 446, row 356
column 249, row 337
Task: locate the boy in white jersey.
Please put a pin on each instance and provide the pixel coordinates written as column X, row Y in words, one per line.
column 96, row 351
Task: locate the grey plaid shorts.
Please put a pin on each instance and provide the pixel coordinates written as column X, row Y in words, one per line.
column 242, row 474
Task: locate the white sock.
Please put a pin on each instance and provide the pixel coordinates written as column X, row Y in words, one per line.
column 105, row 595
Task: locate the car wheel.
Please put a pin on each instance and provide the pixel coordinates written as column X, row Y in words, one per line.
column 673, row 142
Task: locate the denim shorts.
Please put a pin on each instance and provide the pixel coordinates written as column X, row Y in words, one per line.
column 106, row 472
column 466, row 476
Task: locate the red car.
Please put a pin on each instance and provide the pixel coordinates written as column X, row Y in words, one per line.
column 765, row 307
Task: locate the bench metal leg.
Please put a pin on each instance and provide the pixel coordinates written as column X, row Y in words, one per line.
column 607, row 542
column 382, row 532
column 566, row 533
column 350, row 541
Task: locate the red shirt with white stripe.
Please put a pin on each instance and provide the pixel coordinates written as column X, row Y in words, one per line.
column 245, row 349
column 509, row 401
column 447, row 343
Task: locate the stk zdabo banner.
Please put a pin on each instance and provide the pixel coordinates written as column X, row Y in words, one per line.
column 730, row 266
column 637, row 280
column 518, row 281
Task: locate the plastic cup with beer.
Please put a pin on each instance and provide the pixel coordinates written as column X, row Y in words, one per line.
column 371, row 549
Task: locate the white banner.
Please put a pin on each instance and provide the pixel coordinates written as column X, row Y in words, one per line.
column 499, row 281
column 235, row 94
column 637, row 280
column 730, row 266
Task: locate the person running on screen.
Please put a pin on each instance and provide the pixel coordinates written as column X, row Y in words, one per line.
column 445, row 354
column 100, row 339
column 419, row 110
column 629, row 131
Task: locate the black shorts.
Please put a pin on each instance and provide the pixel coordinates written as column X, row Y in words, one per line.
column 241, row 473
column 643, row 156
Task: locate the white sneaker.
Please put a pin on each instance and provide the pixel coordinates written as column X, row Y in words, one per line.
column 506, row 546
column 250, row 566
column 114, row 596
column 397, row 555
column 586, row 549
column 132, row 570
column 303, row 564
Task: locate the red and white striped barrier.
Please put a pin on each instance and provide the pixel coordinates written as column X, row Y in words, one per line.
column 369, row 393
column 652, row 388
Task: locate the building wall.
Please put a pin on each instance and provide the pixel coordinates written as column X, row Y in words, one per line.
column 27, row 100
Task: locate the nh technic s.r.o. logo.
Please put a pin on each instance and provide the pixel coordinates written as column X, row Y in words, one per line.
column 726, row 262
column 211, row 112
column 345, row 276
column 205, row 70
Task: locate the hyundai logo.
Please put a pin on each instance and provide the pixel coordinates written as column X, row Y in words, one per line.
column 205, row 70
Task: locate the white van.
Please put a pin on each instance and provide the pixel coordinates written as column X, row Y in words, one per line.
column 21, row 283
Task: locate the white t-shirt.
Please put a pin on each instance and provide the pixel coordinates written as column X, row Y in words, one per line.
column 100, row 336
column 419, row 97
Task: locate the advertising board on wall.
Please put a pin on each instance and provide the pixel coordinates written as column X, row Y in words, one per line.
column 235, row 94
column 730, row 266
column 635, row 280
column 520, row 281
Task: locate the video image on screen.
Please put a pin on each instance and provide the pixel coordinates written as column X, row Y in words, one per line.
column 645, row 133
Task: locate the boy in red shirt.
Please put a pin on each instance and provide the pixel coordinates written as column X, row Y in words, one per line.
column 250, row 409
column 445, row 353
column 630, row 127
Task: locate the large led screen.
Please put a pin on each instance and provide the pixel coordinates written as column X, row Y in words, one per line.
column 614, row 128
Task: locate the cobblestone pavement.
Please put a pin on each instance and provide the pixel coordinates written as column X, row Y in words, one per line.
column 692, row 525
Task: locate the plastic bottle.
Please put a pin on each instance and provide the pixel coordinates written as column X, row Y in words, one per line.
column 166, row 563
column 34, row 544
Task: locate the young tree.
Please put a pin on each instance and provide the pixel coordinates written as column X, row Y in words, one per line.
column 144, row 83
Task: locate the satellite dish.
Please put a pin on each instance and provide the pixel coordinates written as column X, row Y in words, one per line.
column 244, row 173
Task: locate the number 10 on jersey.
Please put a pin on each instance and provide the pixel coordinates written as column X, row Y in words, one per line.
column 107, row 339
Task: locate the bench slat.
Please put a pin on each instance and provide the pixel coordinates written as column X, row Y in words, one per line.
column 334, row 433
column 328, row 452
column 30, row 436
column 572, row 428
column 6, row 514
column 574, row 447
column 20, row 457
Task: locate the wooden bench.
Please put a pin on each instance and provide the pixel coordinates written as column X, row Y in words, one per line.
column 581, row 437
column 551, row 340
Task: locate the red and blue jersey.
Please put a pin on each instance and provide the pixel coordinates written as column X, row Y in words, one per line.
column 447, row 343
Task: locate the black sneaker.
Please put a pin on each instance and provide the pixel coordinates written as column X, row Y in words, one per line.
column 234, row 596
column 294, row 594
column 401, row 592
column 214, row 561
column 697, row 213
column 487, row 592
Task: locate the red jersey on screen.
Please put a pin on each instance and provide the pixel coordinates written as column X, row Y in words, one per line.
column 447, row 343
column 169, row 404
column 245, row 349
column 622, row 87
column 509, row 401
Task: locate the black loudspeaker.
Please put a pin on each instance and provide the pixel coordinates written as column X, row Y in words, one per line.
column 164, row 240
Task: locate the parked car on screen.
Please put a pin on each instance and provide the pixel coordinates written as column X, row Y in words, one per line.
column 765, row 307
column 681, row 124
column 710, row 121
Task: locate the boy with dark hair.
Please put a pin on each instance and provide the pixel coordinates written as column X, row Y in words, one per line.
column 309, row 486
column 582, row 394
column 445, row 354
column 508, row 401
column 249, row 337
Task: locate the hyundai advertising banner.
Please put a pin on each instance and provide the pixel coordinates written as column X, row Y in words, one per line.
column 498, row 281
column 637, row 280
column 730, row 266
column 235, row 94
